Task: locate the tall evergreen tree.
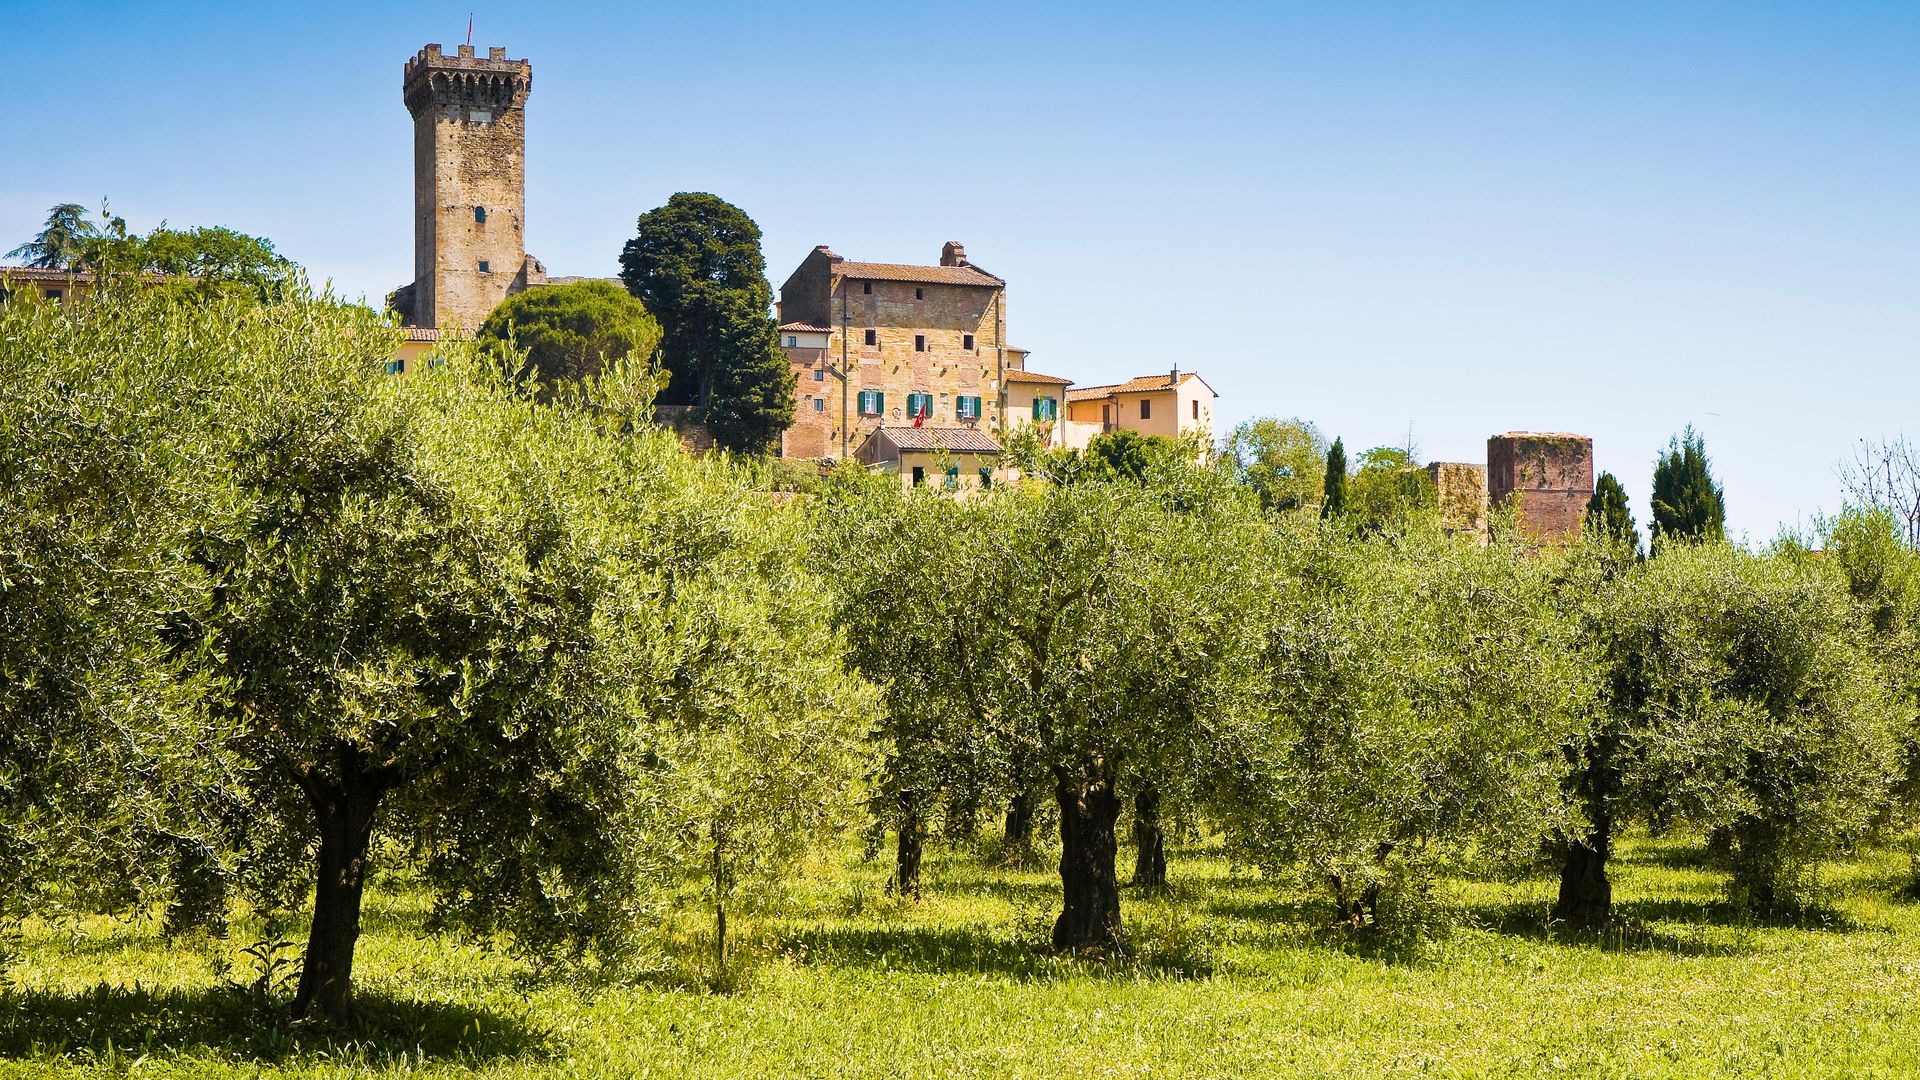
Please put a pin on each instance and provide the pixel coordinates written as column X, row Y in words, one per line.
column 1608, row 513
column 696, row 262
column 62, row 242
column 1687, row 503
column 1333, row 502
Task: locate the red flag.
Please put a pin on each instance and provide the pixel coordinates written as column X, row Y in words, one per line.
column 469, row 27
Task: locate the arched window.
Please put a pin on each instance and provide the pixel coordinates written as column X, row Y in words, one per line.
column 480, row 215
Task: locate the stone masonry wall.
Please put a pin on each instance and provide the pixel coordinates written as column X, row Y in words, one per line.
column 1549, row 476
column 1461, row 491
column 943, row 314
column 469, row 119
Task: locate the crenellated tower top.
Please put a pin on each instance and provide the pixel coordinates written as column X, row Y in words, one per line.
column 432, row 78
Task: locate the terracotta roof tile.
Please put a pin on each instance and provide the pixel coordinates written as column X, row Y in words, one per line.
column 932, row 275
column 806, row 328
column 429, row 333
column 1036, row 377
column 959, row 440
column 1141, row 385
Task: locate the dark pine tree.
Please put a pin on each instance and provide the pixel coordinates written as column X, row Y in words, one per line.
column 696, row 263
column 1609, row 515
column 1334, row 502
column 1687, row 504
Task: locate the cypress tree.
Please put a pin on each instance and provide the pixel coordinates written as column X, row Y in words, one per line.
column 1687, row 504
column 1608, row 513
column 1334, row 500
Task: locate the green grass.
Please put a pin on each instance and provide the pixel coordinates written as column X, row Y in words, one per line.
column 1230, row 978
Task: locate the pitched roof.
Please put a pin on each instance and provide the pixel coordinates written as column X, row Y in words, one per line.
column 429, row 333
column 959, row 440
column 1034, row 376
column 932, row 275
column 806, row 328
column 1141, row 385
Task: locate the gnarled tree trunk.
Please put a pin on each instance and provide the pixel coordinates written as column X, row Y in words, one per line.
column 1586, row 896
column 1089, row 809
column 1149, row 842
column 1020, row 820
column 911, row 842
column 344, row 813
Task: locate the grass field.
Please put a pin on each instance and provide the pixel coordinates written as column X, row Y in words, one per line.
column 1230, row 979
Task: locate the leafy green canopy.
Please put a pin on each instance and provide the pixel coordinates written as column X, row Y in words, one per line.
column 531, row 642
column 202, row 262
column 696, row 263
column 1688, row 503
column 572, row 331
column 1417, row 689
column 1283, row 461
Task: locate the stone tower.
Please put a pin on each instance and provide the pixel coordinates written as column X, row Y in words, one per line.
column 469, row 185
column 1550, row 477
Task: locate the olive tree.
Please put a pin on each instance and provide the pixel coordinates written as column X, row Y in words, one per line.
column 1418, row 690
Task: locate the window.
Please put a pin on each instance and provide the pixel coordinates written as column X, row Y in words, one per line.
column 919, row 476
column 919, row 294
column 872, row 402
column 819, row 404
column 1146, row 407
column 867, row 287
column 479, row 215
column 919, row 405
column 486, row 269
column 819, row 374
column 1196, row 408
column 966, row 407
column 953, row 478
column 873, row 337
column 792, row 342
column 966, row 342
column 986, row 479
column 55, row 295
column 919, row 342
column 1106, row 415
column 396, row 365
column 1046, row 408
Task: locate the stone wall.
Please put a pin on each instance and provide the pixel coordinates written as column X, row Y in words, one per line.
column 1461, row 491
column 1549, row 477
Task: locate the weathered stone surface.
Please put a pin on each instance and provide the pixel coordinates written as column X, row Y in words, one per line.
column 1461, row 489
column 469, row 162
column 1548, row 476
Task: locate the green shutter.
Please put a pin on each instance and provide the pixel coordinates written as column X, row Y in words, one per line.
column 880, row 402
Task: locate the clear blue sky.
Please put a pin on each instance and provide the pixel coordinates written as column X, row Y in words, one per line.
column 1459, row 218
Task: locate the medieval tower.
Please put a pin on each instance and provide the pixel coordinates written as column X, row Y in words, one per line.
column 469, row 186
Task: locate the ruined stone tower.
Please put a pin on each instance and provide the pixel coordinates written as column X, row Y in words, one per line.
column 1549, row 476
column 469, row 185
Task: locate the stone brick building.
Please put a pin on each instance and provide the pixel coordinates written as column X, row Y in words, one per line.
column 897, row 345
column 1547, row 476
column 469, row 186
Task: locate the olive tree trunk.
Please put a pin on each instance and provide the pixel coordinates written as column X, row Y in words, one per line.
column 344, row 814
column 1149, row 842
column 911, row 843
column 1090, row 892
column 1020, row 820
column 1586, row 896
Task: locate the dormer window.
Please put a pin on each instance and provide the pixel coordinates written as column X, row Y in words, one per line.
column 479, row 215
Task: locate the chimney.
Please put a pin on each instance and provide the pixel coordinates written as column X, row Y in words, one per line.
column 1176, row 376
column 953, row 253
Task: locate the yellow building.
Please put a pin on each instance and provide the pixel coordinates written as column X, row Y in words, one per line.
column 1168, row 405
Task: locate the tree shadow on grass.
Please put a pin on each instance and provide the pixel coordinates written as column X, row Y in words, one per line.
column 1645, row 926
column 115, row 1021
column 962, row 951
